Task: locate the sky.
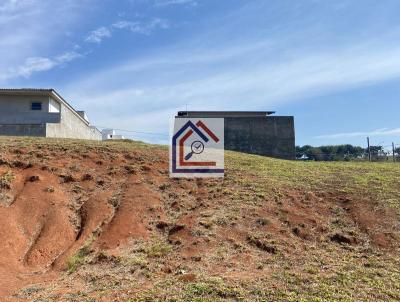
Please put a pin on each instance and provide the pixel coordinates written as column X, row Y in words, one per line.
column 132, row 64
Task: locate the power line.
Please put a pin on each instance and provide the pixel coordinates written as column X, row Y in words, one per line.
column 134, row 131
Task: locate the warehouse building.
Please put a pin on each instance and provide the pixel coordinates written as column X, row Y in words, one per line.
column 254, row 132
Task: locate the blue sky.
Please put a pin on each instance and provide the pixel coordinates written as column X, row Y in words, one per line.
column 334, row 65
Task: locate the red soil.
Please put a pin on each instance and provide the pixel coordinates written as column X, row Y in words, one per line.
column 110, row 198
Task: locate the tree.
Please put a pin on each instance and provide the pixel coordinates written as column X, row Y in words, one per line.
column 330, row 153
column 376, row 151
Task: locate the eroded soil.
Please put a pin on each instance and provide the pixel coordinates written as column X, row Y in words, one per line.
column 97, row 222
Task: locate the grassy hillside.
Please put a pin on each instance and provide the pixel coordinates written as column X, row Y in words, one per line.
column 94, row 221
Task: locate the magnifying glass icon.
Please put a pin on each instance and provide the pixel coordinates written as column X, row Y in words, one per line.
column 197, row 147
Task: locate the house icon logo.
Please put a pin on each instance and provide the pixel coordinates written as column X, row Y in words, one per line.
column 197, row 148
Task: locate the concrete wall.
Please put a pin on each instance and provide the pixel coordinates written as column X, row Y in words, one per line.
column 14, row 104
column 272, row 136
column 23, row 130
column 28, row 118
column 17, row 110
column 71, row 126
column 54, row 106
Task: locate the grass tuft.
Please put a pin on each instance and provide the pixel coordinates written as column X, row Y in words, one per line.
column 6, row 180
column 78, row 259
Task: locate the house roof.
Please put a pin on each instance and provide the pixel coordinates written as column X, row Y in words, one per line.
column 41, row 92
column 224, row 113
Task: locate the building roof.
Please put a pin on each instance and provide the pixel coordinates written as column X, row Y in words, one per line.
column 41, row 92
column 206, row 114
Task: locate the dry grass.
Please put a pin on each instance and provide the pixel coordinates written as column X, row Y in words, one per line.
column 6, row 180
column 263, row 233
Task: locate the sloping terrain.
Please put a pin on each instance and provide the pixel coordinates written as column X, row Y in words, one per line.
column 94, row 221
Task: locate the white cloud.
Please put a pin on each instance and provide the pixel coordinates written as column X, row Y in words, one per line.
column 39, row 64
column 161, row 3
column 142, row 28
column 138, row 27
column 224, row 79
column 29, row 34
column 68, row 57
column 33, row 65
column 233, row 77
column 10, row 6
column 378, row 132
column 98, row 35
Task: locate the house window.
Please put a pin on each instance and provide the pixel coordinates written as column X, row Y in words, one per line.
column 36, row 106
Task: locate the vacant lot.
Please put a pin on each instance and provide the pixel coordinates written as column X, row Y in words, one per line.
column 88, row 221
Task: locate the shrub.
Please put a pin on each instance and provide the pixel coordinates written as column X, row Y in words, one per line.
column 77, row 259
column 6, row 180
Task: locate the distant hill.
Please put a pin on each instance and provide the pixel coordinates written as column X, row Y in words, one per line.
column 95, row 221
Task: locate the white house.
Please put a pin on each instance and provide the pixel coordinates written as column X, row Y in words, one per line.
column 109, row 134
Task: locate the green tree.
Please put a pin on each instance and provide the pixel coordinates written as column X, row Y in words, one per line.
column 397, row 152
column 330, row 153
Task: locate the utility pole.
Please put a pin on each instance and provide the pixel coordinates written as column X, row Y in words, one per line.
column 369, row 150
column 394, row 155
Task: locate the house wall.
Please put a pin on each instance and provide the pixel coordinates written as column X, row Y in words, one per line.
column 54, row 106
column 71, row 126
column 106, row 133
column 23, row 130
column 272, row 136
column 16, row 104
column 17, row 110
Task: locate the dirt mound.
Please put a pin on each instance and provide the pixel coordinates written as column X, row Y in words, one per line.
column 72, row 211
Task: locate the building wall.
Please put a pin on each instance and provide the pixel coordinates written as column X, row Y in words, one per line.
column 16, row 104
column 54, row 106
column 272, row 136
column 17, row 110
column 107, row 133
column 23, row 130
column 71, row 126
